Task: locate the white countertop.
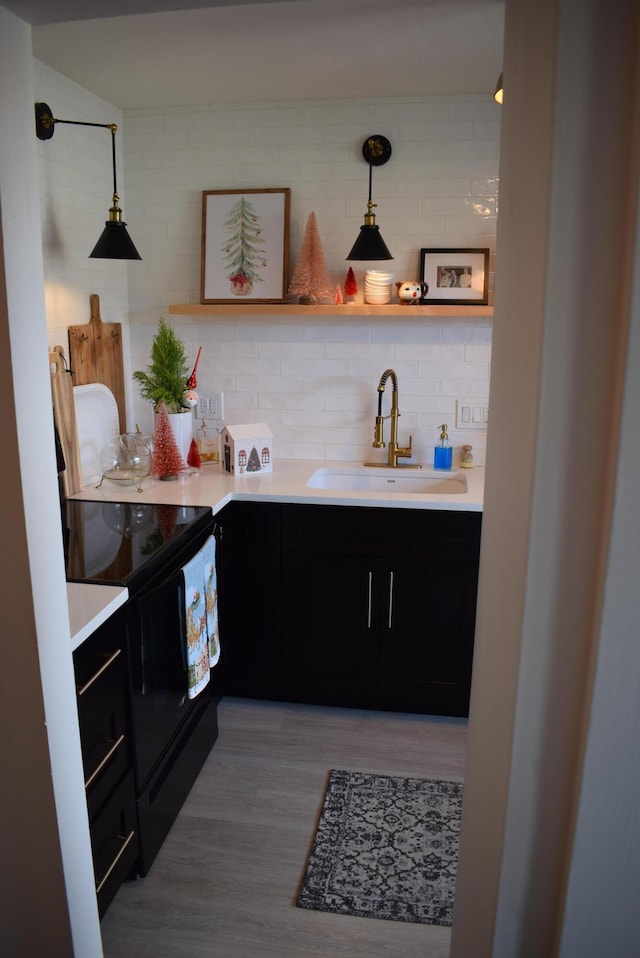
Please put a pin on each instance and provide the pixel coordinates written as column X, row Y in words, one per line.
column 287, row 483
column 91, row 605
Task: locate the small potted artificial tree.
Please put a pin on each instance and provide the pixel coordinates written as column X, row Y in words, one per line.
column 165, row 381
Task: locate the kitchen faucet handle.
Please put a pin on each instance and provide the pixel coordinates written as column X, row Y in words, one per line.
column 378, row 440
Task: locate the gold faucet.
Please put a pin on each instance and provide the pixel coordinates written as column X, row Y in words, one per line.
column 395, row 451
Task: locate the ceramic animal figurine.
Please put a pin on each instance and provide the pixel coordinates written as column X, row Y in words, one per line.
column 466, row 459
column 409, row 293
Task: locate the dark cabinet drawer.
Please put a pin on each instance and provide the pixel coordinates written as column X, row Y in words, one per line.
column 114, row 842
column 104, row 726
column 356, row 530
column 92, row 658
column 102, row 694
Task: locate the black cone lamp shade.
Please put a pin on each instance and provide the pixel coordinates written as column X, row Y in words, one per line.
column 369, row 245
column 115, row 242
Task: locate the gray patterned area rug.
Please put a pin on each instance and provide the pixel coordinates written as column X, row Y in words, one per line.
column 385, row 847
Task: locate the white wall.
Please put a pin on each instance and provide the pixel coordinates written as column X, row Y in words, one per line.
column 75, row 185
column 45, row 851
column 313, row 379
column 495, row 692
column 549, row 846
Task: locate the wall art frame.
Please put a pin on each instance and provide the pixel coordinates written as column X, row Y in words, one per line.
column 245, row 246
column 456, row 277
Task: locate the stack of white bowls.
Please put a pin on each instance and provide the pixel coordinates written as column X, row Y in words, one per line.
column 377, row 287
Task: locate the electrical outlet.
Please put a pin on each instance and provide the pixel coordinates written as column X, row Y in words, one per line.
column 472, row 413
column 210, row 407
column 215, row 406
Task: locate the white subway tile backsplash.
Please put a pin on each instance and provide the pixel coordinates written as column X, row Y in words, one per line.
column 479, row 333
column 432, row 352
column 479, row 388
column 265, row 116
column 297, row 350
column 308, row 368
column 285, row 402
column 301, row 450
column 472, row 225
column 312, row 379
column 474, row 109
column 317, row 418
column 476, row 354
column 351, row 403
column 274, row 384
column 420, row 331
column 457, row 371
column 418, row 111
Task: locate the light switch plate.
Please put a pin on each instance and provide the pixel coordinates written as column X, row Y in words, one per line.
column 472, row 413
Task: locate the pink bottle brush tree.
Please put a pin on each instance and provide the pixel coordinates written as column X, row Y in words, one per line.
column 166, row 460
column 310, row 281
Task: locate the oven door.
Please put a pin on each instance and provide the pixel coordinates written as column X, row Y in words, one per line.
column 159, row 699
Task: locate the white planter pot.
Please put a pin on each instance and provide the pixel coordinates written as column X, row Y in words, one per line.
column 182, row 428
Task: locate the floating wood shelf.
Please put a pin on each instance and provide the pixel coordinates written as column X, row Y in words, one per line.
column 348, row 309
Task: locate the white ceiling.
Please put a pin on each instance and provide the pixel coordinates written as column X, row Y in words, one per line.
column 232, row 51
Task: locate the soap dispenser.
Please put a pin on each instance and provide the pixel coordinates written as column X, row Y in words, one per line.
column 442, row 453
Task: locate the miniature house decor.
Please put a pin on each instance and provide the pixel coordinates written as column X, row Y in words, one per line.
column 247, row 449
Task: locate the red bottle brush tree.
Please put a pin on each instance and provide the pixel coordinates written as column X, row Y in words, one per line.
column 350, row 286
column 310, row 279
column 166, row 461
column 194, row 459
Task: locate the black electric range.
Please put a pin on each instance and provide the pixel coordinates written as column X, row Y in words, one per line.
column 144, row 547
column 124, row 543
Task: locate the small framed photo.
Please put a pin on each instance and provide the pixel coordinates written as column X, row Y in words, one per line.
column 245, row 246
column 456, row 277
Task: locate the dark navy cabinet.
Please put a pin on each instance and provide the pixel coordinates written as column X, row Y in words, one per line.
column 352, row 606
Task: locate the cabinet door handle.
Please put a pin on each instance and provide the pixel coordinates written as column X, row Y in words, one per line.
column 114, row 746
column 390, row 598
column 369, row 600
column 111, row 659
column 125, row 839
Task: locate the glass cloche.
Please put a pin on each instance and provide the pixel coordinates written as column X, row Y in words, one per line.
column 126, row 458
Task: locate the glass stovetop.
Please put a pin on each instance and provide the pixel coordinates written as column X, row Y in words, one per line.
column 109, row 542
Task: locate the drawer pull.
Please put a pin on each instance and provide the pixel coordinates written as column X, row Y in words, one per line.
column 125, row 839
column 102, row 669
column 369, row 602
column 390, row 598
column 114, row 746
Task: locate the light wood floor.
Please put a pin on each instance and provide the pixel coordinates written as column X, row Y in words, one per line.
column 224, row 883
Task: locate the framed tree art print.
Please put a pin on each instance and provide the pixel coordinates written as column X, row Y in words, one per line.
column 456, row 277
column 245, row 246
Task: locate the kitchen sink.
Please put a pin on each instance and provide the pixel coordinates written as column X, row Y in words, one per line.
column 422, row 482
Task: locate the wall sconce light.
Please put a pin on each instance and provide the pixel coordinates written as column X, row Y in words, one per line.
column 115, row 242
column 499, row 94
column 369, row 245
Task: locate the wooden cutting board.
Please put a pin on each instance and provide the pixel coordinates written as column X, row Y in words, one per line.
column 64, row 413
column 95, row 355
